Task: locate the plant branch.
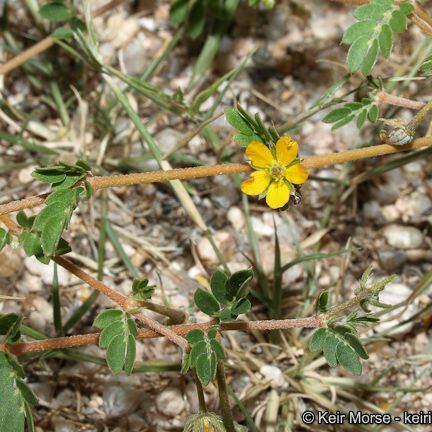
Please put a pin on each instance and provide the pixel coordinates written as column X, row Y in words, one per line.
column 46, row 43
column 386, row 98
column 176, row 316
column 116, row 297
column 180, row 330
column 309, row 162
column 124, row 302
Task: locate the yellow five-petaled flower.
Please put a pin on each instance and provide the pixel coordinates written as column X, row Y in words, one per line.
column 276, row 173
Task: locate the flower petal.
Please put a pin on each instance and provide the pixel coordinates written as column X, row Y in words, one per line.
column 259, row 155
column 286, row 150
column 296, row 174
column 257, row 183
column 278, row 195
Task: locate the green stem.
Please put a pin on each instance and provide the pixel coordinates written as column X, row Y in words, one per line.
column 200, row 392
column 223, row 398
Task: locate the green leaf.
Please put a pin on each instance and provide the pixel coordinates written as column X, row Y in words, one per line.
column 370, row 12
column 199, row 348
column 48, row 175
column 329, row 349
column 244, row 140
column 4, row 238
column 55, row 12
column 196, row 20
column 107, row 317
column 7, row 321
column 130, row 355
column 186, row 362
column 353, row 106
column 356, row 345
column 398, row 21
column 212, row 332
column 317, row 340
column 373, row 113
column 10, row 325
column 348, row 358
column 426, row 67
column 11, row 406
column 69, row 181
column 118, row 336
column 51, row 235
column 88, row 189
column 370, row 59
column 179, row 11
column 26, row 392
column 226, row 315
column 336, row 115
column 195, row 336
column 62, row 33
column 217, row 285
column 206, row 302
column 386, row 40
column 241, row 306
column 406, row 8
column 142, row 290
column 357, row 30
column 237, row 285
column 63, row 247
column 116, row 354
column 362, row 118
column 64, row 198
column 357, row 53
column 31, row 244
column 342, row 329
column 109, row 333
column 23, row 221
column 343, row 122
column 237, row 122
column 47, row 213
column 132, row 327
column 206, row 368
column 217, row 349
column 83, row 165
column 323, row 302
column 29, row 418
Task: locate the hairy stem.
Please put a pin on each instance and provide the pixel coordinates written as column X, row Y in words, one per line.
column 309, row 162
column 181, row 330
column 124, row 302
column 386, row 98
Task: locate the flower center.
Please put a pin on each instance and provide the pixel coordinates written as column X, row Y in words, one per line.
column 277, row 171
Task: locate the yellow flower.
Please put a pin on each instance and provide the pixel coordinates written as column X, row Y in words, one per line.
column 275, row 174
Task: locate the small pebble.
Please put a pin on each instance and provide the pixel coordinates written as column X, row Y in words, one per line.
column 403, row 237
column 170, row 402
